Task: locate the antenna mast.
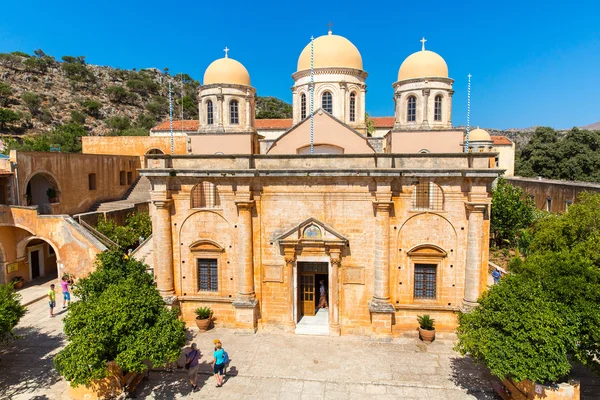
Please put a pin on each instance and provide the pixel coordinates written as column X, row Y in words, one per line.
column 171, row 119
column 312, row 93
column 468, row 113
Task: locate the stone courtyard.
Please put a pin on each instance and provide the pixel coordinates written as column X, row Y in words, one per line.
column 269, row 366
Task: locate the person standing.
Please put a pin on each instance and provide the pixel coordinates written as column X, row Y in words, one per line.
column 323, row 293
column 65, row 291
column 496, row 274
column 52, row 300
column 191, row 361
column 220, row 358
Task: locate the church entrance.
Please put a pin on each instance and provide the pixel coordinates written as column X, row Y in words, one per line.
column 313, row 298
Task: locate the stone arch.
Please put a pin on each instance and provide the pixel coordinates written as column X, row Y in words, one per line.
column 321, row 148
column 37, row 185
column 22, row 246
column 206, row 245
column 154, row 150
column 45, row 253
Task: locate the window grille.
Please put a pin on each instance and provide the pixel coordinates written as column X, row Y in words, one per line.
column 205, row 195
column 411, row 110
column 302, row 106
column 327, row 102
column 352, row 107
column 208, row 275
column 425, row 281
column 209, row 113
column 428, row 196
column 437, row 114
column 234, row 116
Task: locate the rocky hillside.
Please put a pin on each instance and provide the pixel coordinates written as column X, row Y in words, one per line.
column 38, row 93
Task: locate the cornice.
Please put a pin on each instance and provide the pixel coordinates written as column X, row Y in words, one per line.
column 330, row 71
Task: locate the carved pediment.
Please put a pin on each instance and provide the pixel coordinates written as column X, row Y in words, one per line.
column 312, row 230
column 427, row 250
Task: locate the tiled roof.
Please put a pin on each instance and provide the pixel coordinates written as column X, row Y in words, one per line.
column 188, row 125
column 383, row 122
column 499, row 140
column 273, row 123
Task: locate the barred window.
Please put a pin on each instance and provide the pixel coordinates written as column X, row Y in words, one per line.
column 209, row 113
column 234, row 116
column 425, row 281
column 352, row 107
column 437, row 112
column 303, row 106
column 411, row 109
column 205, row 195
column 327, row 102
column 428, row 196
column 208, row 275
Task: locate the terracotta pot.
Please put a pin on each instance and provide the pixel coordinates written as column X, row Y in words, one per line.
column 427, row 336
column 19, row 285
column 53, row 199
column 203, row 324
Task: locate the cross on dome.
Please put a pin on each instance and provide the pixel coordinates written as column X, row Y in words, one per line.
column 423, row 43
column 226, row 50
column 330, row 25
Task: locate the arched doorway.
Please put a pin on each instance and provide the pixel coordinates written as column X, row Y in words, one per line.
column 42, row 190
column 41, row 258
column 150, row 152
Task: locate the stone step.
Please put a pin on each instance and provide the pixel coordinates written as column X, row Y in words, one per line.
column 314, row 325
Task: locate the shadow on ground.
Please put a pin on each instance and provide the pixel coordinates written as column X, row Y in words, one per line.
column 27, row 363
column 474, row 378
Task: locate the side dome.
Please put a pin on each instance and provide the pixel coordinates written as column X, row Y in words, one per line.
column 478, row 134
column 423, row 64
column 331, row 51
column 226, row 70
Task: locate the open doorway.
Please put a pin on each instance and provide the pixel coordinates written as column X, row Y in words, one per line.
column 41, row 258
column 313, row 298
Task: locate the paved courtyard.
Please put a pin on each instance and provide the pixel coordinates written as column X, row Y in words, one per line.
column 266, row 366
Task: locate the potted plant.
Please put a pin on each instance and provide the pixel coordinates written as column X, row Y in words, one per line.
column 426, row 328
column 52, row 193
column 18, row 282
column 203, row 318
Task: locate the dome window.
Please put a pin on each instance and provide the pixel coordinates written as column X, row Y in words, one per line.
column 411, row 109
column 302, row 106
column 327, row 102
column 437, row 112
column 234, row 115
column 209, row 113
column 352, row 107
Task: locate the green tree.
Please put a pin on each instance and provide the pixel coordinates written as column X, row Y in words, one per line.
column 158, row 106
column 77, row 117
column 190, row 107
column 32, row 101
column 39, row 63
column 116, row 94
column 126, row 236
column 7, row 117
column 121, row 317
column 5, row 93
column 21, row 54
column 271, row 107
column 11, row 311
column 370, row 125
column 9, row 60
column 134, row 132
column 118, row 124
column 145, row 121
column 92, row 107
column 511, row 213
column 76, row 70
column 66, row 137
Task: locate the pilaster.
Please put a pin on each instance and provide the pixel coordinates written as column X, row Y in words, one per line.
column 334, row 284
column 163, row 247
column 425, row 124
column 474, row 250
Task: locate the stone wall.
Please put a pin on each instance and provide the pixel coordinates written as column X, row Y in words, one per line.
column 132, row 145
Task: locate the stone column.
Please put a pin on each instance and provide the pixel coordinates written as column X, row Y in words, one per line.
column 397, row 110
column 474, row 249
column 201, row 107
column 163, row 247
column 425, row 124
column 296, row 106
column 248, row 100
column 246, row 302
column 382, row 311
column 219, row 116
column 290, row 258
column 334, row 309
column 449, row 121
column 342, row 106
column 360, row 109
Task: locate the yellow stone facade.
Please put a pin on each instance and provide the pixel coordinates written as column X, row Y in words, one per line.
column 365, row 223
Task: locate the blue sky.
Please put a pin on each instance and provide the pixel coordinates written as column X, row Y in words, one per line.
column 533, row 62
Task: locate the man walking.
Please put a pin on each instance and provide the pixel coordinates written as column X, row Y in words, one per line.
column 191, row 362
column 52, row 300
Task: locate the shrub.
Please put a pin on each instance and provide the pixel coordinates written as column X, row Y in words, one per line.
column 9, row 60
column 116, row 94
column 92, row 107
column 158, row 106
column 21, row 54
column 77, row 117
column 203, row 313
column 7, row 117
column 5, row 93
column 134, row 132
column 32, row 101
column 145, row 121
column 11, row 311
column 118, row 124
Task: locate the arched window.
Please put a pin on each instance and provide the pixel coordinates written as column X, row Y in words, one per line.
column 205, row 195
column 303, row 106
column 209, row 113
column 411, row 109
column 327, row 102
column 234, row 115
column 352, row 107
column 437, row 112
column 428, row 196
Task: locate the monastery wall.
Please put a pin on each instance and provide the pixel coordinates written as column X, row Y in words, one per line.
column 132, row 145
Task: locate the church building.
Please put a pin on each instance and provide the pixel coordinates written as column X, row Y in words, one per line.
column 323, row 229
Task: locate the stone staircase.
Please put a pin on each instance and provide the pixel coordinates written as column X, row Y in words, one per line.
column 139, row 192
column 144, row 252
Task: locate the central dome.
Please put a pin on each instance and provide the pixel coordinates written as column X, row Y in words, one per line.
column 226, row 70
column 331, row 51
column 423, row 64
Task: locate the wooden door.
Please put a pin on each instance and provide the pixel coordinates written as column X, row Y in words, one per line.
column 35, row 264
column 307, row 294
